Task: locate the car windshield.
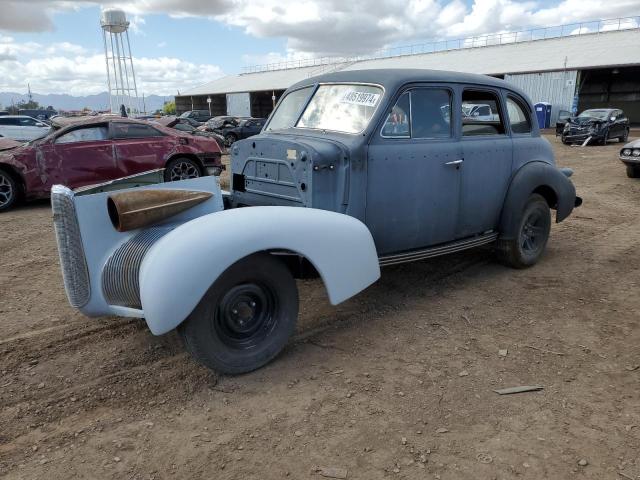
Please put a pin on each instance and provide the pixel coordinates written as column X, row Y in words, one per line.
column 600, row 114
column 344, row 108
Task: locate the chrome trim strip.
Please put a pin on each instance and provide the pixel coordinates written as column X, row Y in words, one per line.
column 75, row 272
column 460, row 245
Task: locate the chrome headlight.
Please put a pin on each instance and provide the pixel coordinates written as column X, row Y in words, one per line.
column 636, row 152
column 626, row 152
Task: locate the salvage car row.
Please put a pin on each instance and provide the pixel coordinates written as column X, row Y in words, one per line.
column 92, row 150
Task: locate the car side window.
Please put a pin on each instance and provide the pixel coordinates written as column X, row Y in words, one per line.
column 89, row 134
column 430, row 113
column 397, row 123
column 133, row 130
column 518, row 117
column 27, row 122
column 481, row 114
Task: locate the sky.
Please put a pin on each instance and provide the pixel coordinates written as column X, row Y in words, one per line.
column 56, row 45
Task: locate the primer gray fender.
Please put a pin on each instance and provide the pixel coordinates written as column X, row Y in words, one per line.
column 525, row 181
column 179, row 269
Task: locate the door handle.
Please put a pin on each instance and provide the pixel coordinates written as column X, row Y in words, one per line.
column 455, row 162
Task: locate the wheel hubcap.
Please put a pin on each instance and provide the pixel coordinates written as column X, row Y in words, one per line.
column 245, row 315
column 184, row 171
column 532, row 234
column 6, row 191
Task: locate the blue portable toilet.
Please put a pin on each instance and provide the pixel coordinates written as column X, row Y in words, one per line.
column 543, row 112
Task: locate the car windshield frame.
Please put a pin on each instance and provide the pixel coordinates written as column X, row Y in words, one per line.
column 604, row 116
column 314, row 89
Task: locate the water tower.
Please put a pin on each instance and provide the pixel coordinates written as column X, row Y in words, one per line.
column 121, row 78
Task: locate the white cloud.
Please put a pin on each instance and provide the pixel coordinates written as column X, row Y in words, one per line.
column 68, row 68
column 312, row 28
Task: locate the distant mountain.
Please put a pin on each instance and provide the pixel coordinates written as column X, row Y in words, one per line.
column 69, row 102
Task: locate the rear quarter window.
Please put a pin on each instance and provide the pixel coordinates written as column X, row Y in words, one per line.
column 133, row 130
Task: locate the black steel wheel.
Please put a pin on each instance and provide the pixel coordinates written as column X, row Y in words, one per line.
column 528, row 245
column 181, row 169
column 8, row 191
column 246, row 318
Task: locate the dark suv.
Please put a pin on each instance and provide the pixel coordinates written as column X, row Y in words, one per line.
column 239, row 128
column 197, row 115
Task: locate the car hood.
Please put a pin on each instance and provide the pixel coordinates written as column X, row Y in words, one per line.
column 8, row 144
column 634, row 144
column 585, row 120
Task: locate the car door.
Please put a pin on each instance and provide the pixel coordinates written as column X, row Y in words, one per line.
column 249, row 128
column 413, row 172
column 487, row 153
column 30, row 128
column 139, row 147
column 78, row 157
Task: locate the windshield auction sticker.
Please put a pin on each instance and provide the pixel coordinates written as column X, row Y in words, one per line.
column 361, row 98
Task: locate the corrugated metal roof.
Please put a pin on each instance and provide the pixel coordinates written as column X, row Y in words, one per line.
column 605, row 49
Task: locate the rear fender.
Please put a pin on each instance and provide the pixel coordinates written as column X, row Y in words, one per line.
column 527, row 179
column 179, row 269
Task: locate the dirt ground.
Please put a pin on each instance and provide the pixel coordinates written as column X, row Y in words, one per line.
column 397, row 382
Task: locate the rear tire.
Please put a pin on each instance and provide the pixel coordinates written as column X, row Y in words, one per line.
column 246, row 317
column 531, row 236
column 8, row 191
column 633, row 172
column 181, row 168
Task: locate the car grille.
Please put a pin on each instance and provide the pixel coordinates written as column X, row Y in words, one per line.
column 121, row 274
column 72, row 259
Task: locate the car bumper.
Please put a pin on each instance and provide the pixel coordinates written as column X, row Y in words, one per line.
column 633, row 161
column 581, row 136
column 212, row 163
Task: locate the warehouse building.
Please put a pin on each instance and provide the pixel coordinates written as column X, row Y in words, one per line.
column 572, row 67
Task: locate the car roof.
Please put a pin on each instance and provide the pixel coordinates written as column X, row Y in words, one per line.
column 18, row 116
column 62, row 122
column 393, row 78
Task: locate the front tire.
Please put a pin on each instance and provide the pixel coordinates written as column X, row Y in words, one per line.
column 246, row 317
column 531, row 236
column 8, row 191
column 624, row 138
column 633, row 172
column 181, row 168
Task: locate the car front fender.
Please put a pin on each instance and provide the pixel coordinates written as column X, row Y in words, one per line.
column 531, row 177
column 179, row 269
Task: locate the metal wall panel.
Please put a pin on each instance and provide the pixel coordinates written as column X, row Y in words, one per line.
column 239, row 104
column 557, row 88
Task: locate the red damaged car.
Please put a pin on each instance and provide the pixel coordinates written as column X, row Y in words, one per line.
column 90, row 151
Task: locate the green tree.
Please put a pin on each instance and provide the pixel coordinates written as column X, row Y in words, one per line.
column 169, row 108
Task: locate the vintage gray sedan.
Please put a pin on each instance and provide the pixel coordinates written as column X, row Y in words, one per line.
column 630, row 156
column 391, row 167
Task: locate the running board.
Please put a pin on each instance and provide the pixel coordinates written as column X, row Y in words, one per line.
column 458, row 246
